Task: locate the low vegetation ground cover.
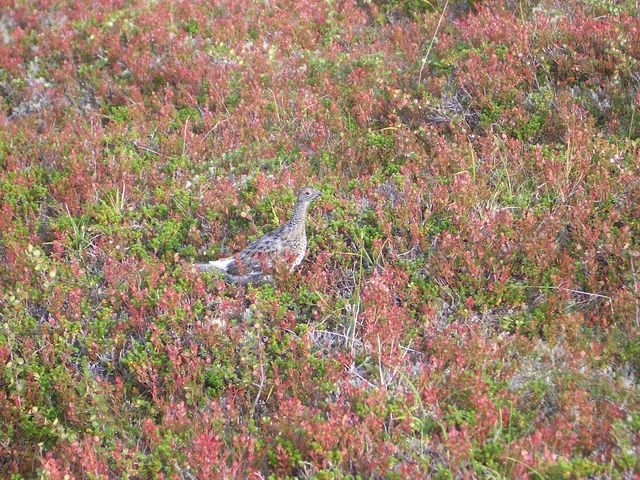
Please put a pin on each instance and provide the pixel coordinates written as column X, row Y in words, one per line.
column 469, row 306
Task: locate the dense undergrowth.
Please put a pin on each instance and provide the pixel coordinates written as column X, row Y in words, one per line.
column 469, row 306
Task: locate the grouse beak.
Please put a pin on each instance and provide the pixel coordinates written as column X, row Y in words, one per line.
column 316, row 194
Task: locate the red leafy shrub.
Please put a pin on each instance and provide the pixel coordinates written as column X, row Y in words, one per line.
column 469, row 301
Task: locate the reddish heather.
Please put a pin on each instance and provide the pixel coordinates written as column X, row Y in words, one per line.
column 469, row 306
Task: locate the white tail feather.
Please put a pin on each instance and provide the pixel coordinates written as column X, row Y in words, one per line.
column 221, row 265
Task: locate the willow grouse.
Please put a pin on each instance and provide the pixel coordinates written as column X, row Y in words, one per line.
column 286, row 245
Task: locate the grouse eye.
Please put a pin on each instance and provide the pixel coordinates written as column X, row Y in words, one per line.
column 307, row 193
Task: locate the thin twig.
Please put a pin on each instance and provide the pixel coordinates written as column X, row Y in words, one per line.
column 275, row 102
column 636, row 291
column 356, row 309
column 261, row 386
column 354, row 372
column 349, row 339
column 212, row 129
column 407, row 349
column 380, row 370
column 184, row 137
column 336, row 334
column 433, row 39
column 151, row 150
column 547, row 287
column 570, row 290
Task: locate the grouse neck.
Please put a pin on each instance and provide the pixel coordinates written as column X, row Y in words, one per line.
column 299, row 214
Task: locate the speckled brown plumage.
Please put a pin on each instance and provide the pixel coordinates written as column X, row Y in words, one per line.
column 287, row 245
